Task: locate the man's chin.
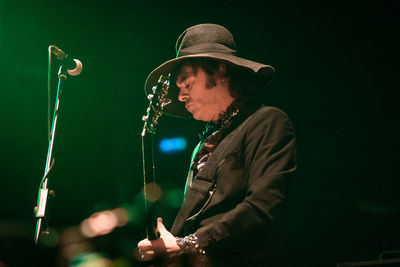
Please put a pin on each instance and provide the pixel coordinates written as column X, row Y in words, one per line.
column 199, row 117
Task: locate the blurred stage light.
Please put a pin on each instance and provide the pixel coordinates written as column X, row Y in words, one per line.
column 154, row 192
column 91, row 259
column 173, row 198
column 172, row 145
column 104, row 222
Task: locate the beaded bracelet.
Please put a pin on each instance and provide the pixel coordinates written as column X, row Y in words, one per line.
column 190, row 245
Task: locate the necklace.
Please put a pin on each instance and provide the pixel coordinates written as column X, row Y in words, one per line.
column 213, row 133
column 224, row 119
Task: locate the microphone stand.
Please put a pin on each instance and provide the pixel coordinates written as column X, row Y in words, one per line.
column 43, row 190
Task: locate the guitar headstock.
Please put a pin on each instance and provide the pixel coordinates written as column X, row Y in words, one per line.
column 157, row 102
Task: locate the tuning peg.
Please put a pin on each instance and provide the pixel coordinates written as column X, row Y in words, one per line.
column 165, row 102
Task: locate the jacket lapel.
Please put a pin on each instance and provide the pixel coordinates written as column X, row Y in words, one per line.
column 202, row 186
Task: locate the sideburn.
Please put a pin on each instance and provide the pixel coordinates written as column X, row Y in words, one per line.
column 216, row 75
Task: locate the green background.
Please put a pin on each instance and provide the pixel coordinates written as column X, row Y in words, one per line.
column 336, row 79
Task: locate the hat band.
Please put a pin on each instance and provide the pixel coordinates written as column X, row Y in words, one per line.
column 205, row 48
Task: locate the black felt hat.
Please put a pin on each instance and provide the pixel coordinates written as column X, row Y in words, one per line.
column 203, row 41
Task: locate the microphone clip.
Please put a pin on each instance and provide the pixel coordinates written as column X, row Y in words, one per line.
column 74, row 66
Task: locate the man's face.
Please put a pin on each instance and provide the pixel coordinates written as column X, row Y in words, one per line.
column 203, row 103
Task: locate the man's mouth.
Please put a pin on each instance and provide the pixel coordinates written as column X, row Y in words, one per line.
column 187, row 105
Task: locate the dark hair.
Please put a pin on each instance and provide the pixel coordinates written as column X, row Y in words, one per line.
column 242, row 83
column 210, row 67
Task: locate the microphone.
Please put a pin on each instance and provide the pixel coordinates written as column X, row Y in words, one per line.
column 74, row 66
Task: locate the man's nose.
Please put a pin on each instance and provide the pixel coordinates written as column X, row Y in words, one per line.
column 183, row 94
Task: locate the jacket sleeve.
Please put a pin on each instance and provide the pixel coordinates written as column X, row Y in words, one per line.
column 269, row 158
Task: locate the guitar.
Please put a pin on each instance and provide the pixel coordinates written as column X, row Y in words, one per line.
column 157, row 101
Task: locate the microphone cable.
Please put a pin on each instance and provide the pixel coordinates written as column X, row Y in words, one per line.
column 48, row 93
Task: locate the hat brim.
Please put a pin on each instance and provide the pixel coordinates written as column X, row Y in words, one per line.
column 177, row 108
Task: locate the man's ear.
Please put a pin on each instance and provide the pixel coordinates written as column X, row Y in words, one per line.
column 223, row 79
column 222, row 69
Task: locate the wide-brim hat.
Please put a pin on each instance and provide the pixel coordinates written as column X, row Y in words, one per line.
column 203, row 41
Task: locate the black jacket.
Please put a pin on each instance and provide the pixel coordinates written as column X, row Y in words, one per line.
column 236, row 204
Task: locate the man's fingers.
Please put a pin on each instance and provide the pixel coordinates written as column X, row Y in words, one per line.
column 145, row 255
column 160, row 226
column 147, row 252
column 145, row 244
column 156, row 245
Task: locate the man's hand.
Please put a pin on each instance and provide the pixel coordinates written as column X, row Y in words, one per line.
column 163, row 246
